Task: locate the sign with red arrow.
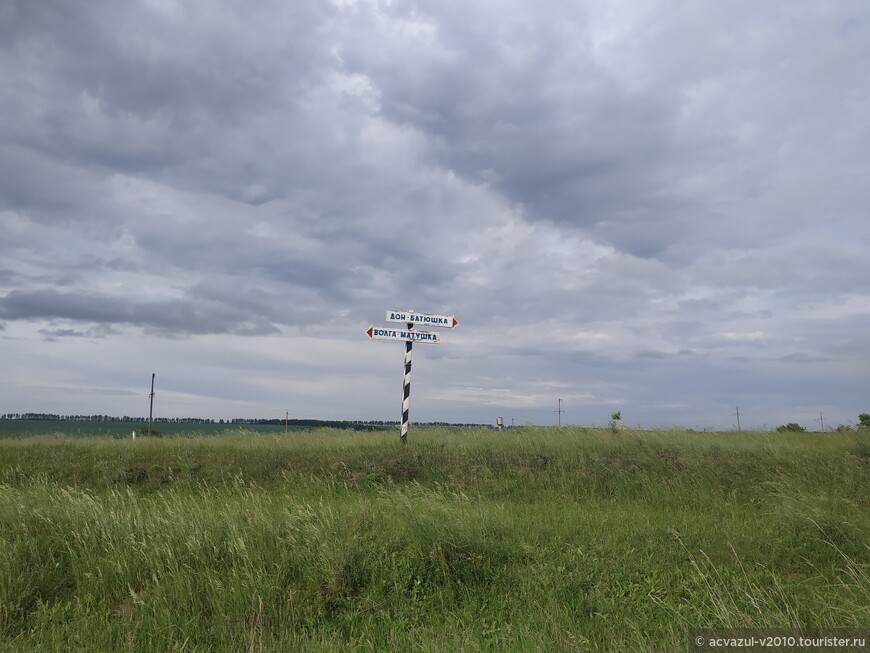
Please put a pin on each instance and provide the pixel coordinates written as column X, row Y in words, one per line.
column 409, row 335
column 423, row 319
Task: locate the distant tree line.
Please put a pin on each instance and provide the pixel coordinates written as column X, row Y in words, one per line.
column 238, row 421
column 52, row 417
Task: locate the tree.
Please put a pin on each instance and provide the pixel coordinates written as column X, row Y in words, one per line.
column 791, row 427
column 615, row 418
column 864, row 421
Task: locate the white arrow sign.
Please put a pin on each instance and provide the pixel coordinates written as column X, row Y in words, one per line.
column 406, row 335
column 425, row 319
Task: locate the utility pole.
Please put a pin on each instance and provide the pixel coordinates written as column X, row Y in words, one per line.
column 151, row 409
column 738, row 417
column 559, row 412
column 822, row 420
column 286, row 420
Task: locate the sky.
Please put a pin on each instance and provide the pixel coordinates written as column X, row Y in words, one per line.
column 651, row 207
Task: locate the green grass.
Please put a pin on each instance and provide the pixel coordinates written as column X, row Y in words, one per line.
column 533, row 539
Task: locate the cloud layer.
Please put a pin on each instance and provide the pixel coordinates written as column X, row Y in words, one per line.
column 647, row 208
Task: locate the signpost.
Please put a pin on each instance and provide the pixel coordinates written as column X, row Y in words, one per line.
column 389, row 333
column 409, row 336
column 426, row 319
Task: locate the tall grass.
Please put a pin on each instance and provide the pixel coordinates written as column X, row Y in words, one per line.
column 535, row 539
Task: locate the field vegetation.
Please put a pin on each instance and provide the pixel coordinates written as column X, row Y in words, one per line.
column 529, row 539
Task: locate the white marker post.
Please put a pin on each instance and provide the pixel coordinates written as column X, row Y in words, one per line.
column 409, row 336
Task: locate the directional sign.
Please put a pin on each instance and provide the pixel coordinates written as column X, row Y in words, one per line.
column 406, row 335
column 424, row 319
column 410, row 335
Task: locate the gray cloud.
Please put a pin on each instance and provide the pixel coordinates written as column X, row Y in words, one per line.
column 172, row 317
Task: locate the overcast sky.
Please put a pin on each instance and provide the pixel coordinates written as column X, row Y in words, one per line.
column 659, row 208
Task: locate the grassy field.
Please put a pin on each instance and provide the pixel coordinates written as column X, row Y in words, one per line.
column 532, row 539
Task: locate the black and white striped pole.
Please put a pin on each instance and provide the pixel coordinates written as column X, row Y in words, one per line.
column 406, row 388
column 410, row 336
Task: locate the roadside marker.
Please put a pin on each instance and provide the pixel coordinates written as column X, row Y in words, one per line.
column 406, row 390
column 409, row 336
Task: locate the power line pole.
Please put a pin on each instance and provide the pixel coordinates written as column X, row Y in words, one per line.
column 559, row 412
column 286, row 419
column 151, row 409
column 822, row 420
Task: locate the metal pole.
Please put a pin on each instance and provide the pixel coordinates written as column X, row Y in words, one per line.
column 406, row 389
column 151, row 409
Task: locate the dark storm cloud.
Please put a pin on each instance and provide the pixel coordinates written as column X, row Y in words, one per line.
column 528, row 107
column 179, row 93
column 182, row 62
column 60, row 333
column 580, row 133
